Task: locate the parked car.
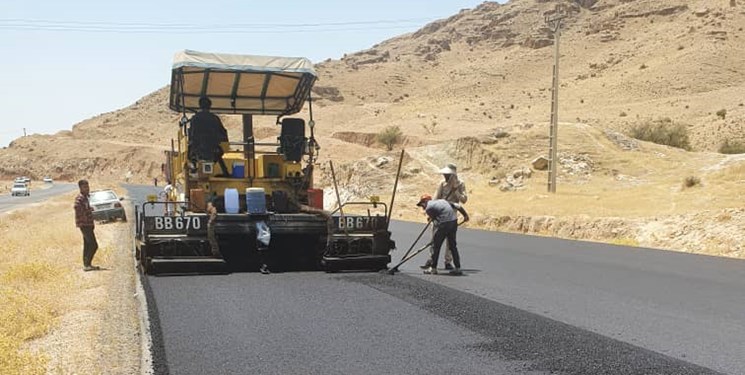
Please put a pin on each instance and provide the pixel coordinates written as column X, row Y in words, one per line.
column 48, row 180
column 107, row 205
column 20, row 189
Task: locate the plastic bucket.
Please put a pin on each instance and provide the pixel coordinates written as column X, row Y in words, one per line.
column 232, row 202
column 315, row 198
column 239, row 170
column 255, row 201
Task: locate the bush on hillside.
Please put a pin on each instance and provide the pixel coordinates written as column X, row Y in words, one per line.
column 732, row 147
column 390, row 136
column 691, row 181
column 664, row 132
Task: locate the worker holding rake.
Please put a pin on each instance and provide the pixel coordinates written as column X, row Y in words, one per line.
column 445, row 220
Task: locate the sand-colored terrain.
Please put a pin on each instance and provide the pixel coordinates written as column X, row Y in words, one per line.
column 474, row 89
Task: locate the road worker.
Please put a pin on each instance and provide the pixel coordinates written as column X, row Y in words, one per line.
column 445, row 222
column 453, row 190
column 207, row 135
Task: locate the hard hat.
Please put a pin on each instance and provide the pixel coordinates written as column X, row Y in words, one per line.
column 424, row 199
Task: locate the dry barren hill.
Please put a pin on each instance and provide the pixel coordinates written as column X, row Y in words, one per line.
column 474, row 89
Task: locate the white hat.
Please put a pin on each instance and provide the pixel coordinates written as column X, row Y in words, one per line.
column 449, row 169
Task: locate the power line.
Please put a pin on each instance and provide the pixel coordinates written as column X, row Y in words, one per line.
column 189, row 25
column 156, row 31
column 18, row 24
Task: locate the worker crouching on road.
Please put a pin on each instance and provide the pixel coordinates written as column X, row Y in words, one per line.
column 445, row 219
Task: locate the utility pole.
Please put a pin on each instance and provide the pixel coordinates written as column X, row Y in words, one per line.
column 554, row 22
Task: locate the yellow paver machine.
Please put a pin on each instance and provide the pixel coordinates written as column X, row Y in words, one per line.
column 241, row 204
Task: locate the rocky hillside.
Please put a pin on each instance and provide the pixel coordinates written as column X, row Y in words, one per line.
column 474, row 89
column 623, row 62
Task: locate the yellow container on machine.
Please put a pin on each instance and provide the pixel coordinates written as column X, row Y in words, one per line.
column 275, row 166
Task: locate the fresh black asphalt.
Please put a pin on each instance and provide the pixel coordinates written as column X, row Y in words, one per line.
column 689, row 307
column 487, row 322
column 316, row 323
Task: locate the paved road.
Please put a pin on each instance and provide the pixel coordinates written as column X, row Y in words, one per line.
column 690, row 307
column 8, row 202
column 526, row 306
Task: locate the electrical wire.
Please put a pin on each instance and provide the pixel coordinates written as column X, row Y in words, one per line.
column 20, row 24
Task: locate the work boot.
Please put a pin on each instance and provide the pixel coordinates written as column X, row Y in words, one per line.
column 264, row 269
column 427, row 265
column 88, row 268
column 430, row 271
column 449, row 266
column 456, row 272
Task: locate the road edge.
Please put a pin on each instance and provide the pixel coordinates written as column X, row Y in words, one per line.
column 146, row 342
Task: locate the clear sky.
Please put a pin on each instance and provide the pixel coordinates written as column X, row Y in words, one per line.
column 64, row 61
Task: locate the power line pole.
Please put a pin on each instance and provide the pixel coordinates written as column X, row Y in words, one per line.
column 554, row 22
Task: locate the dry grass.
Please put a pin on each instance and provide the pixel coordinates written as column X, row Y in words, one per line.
column 41, row 288
column 732, row 147
column 625, row 241
column 36, row 276
column 627, row 184
column 624, row 191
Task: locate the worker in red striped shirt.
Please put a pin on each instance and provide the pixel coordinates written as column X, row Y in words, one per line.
column 84, row 221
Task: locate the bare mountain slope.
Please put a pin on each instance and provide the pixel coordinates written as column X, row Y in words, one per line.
column 622, row 62
column 475, row 89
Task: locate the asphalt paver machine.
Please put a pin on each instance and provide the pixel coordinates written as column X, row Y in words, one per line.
column 264, row 208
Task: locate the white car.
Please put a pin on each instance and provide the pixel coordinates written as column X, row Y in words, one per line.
column 48, row 180
column 106, row 206
column 20, row 188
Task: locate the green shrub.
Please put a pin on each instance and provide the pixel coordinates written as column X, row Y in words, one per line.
column 732, row 147
column 390, row 136
column 722, row 113
column 664, row 132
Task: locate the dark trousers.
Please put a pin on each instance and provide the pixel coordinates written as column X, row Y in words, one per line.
column 90, row 245
column 445, row 231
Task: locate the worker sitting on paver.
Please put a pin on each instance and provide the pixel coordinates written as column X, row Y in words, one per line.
column 206, row 135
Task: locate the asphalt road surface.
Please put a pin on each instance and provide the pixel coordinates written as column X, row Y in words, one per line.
column 8, row 202
column 527, row 305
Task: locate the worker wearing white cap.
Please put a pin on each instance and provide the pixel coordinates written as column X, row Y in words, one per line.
column 453, row 190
